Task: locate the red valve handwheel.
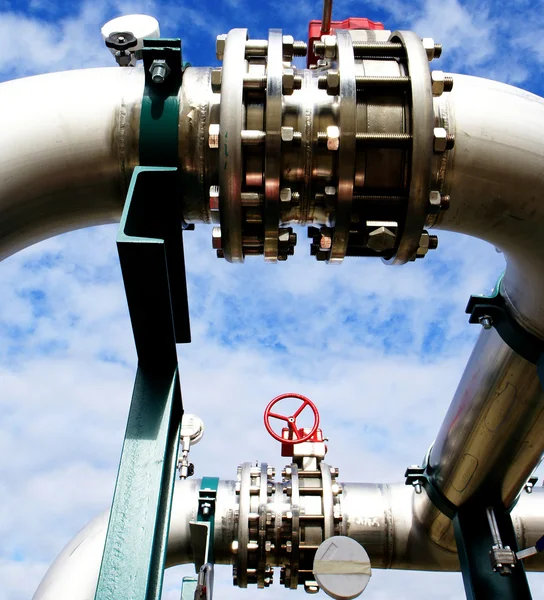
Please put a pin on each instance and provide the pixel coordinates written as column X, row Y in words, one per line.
column 292, row 420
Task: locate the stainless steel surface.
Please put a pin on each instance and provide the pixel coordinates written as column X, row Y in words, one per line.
column 494, row 178
column 346, row 165
column 421, row 128
column 492, row 434
column 68, row 146
column 272, row 159
column 230, row 144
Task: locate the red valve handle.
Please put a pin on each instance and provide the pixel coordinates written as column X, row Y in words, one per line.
column 292, row 420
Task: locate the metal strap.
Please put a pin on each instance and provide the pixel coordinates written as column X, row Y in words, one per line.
column 527, row 345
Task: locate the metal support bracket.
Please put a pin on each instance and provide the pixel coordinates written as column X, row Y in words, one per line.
column 203, row 529
column 419, row 478
column 150, row 247
column 491, row 311
column 160, row 103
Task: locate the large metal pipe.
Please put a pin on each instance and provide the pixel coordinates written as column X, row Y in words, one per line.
column 493, row 432
column 495, row 178
column 68, row 145
column 379, row 516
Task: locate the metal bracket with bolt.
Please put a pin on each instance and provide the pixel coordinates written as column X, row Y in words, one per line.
column 492, row 312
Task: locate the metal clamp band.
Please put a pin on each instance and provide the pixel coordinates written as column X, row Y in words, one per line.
column 160, row 103
column 207, row 497
column 494, row 309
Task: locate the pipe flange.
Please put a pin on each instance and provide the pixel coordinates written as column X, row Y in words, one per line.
column 272, row 163
column 243, row 519
column 230, row 144
column 422, row 123
column 262, row 572
column 347, row 147
column 328, row 512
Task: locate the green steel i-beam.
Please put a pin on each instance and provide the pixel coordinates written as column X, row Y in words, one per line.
column 150, row 249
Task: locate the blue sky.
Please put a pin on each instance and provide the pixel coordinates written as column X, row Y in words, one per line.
column 379, row 349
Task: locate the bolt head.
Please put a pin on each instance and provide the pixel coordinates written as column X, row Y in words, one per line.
column 217, row 242
column 382, row 235
column 330, row 192
column 333, row 82
column 333, row 137
column 437, row 81
column 213, row 136
column 285, row 195
column 220, row 42
column 329, row 42
column 288, row 81
column 440, row 139
column 216, row 80
column 234, row 546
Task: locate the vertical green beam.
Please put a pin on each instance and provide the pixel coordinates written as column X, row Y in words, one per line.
column 474, row 542
column 151, row 255
column 133, row 560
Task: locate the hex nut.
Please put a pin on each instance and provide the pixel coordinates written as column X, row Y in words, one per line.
column 287, row 134
column 423, row 245
column 329, row 42
column 159, row 70
column 325, row 242
column 216, row 80
column 428, row 46
column 217, row 242
column 288, row 81
column 220, row 42
column 333, row 82
column 440, row 137
column 213, row 136
column 283, row 235
column 288, row 47
column 435, row 200
column 285, row 195
column 333, row 137
column 214, row 197
column 437, row 81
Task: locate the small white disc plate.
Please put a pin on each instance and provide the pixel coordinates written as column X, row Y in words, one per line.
column 342, row 568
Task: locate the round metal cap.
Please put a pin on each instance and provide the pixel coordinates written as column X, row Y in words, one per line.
column 342, row 568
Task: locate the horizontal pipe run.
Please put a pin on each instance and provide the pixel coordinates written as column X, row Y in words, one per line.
column 379, row 516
